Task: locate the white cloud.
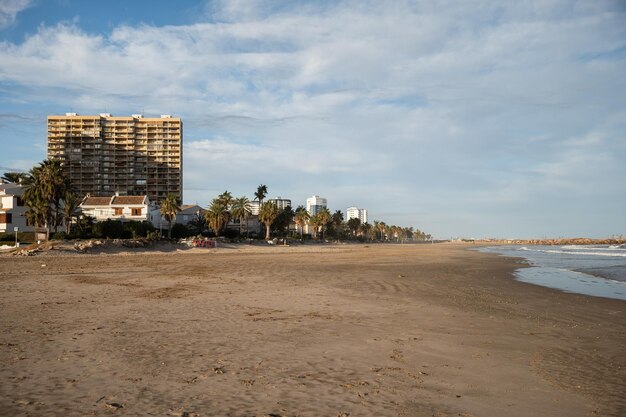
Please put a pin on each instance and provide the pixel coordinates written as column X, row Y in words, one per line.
column 9, row 9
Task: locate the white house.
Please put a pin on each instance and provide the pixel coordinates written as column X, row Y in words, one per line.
column 12, row 209
column 120, row 207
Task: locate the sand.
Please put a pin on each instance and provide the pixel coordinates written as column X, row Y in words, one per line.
column 358, row 330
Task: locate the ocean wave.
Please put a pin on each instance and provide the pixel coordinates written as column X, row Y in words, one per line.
column 594, row 247
column 620, row 254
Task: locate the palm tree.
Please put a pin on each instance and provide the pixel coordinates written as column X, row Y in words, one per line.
column 314, row 221
column 382, row 228
column 353, row 225
column 302, row 217
column 324, row 217
column 16, row 177
column 46, row 187
column 38, row 210
column 375, row 228
column 169, row 207
column 217, row 215
column 267, row 214
column 226, row 198
column 70, row 204
column 197, row 224
column 364, row 230
column 86, row 222
column 260, row 194
column 241, row 209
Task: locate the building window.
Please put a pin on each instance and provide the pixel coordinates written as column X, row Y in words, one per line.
column 6, row 218
column 19, row 202
column 118, row 211
column 136, row 212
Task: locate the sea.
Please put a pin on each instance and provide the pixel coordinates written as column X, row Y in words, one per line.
column 596, row 270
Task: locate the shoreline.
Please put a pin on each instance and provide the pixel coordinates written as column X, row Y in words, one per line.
column 306, row 330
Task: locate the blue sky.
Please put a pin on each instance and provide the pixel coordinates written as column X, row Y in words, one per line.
column 473, row 119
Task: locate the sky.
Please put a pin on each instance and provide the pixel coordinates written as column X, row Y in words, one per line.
column 460, row 118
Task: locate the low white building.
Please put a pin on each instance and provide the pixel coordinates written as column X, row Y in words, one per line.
column 12, row 209
column 356, row 213
column 121, row 207
column 187, row 213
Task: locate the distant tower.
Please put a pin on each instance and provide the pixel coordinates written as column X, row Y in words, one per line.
column 314, row 204
column 356, row 213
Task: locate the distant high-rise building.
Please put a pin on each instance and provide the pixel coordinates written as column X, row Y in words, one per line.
column 356, row 213
column 132, row 155
column 314, row 204
column 282, row 203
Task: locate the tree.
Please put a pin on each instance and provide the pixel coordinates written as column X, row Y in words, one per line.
column 260, row 194
column 382, row 229
column 46, row 187
column 169, row 207
column 197, row 225
column 241, row 209
column 283, row 220
column 226, row 198
column 217, row 215
column 353, row 225
column 16, row 177
column 267, row 214
column 364, row 230
column 85, row 223
column 302, row 218
column 324, row 217
column 70, row 204
column 336, row 225
column 315, row 222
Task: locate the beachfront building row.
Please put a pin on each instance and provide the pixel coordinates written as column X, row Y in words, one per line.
column 134, row 155
column 135, row 208
column 356, row 213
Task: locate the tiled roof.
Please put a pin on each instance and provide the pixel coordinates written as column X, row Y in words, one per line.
column 190, row 209
column 128, row 199
column 97, row 201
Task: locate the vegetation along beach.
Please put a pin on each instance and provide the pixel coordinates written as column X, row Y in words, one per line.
column 308, row 330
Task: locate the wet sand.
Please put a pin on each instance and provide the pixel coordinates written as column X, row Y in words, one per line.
column 385, row 330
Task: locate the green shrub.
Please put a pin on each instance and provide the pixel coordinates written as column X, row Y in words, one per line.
column 139, row 229
column 180, row 231
column 108, row 229
column 58, row 236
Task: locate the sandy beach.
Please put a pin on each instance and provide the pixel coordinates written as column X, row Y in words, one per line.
column 345, row 330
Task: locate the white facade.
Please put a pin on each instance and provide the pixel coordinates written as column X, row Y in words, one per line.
column 282, row 203
column 356, row 213
column 124, row 208
column 255, row 207
column 12, row 209
column 314, row 204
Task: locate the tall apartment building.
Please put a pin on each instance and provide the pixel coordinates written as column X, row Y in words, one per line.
column 356, row 213
column 132, row 155
column 314, row 204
